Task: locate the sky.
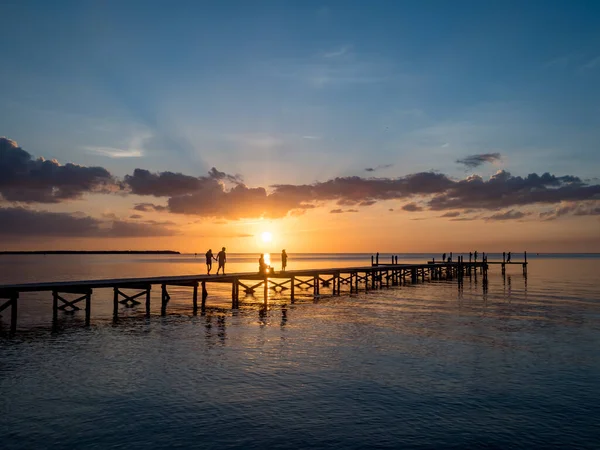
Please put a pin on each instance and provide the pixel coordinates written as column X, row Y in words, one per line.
column 335, row 126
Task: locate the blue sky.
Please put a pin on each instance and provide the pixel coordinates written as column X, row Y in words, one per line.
column 302, row 91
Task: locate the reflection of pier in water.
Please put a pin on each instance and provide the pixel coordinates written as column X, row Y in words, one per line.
column 67, row 296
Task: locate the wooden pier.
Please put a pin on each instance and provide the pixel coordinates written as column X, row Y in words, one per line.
column 74, row 295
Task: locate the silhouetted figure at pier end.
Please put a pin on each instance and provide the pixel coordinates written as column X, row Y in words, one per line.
column 222, row 259
column 283, row 260
column 443, row 257
column 475, row 254
column 262, row 265
column 508, row 257
column 209, row 260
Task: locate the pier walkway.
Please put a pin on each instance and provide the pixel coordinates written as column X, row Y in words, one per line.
column 67, row 296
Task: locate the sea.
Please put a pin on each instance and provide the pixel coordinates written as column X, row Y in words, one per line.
column 511, row 364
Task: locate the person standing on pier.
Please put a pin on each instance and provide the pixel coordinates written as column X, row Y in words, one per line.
column 443, row 257
column 475, row 255
column 283, row 260
column 222, row 259
column 508, row 257
column 209, row 260
column 377, row 259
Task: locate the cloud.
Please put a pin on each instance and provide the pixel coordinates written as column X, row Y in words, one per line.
column 451, row 214
column 380, row 167
column 149, row 207
column 473, row 161
column 341, row 211
column 508, row 215
column 503, row 190
column 22, row 222
column 591, row 208
column 412, row 207
column 314, row 138
column 116, row 152
column 337, row 53
column 28, row 180
column 135, row 216
column 592, row 63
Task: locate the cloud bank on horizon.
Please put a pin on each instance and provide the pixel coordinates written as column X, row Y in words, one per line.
column 25, row 180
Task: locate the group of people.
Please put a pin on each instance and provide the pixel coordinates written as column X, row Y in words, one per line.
column 221, row 258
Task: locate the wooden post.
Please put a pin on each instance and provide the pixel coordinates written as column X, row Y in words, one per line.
column 204, row 295
column 413, row 275
column 165, row 300
column 233, row 305
column 293, row 288
column 13, row 312
column 115, row 302
column 54, row 306
column 266, row 290
column 148, row 299
column 195, row 298
column 88, row 307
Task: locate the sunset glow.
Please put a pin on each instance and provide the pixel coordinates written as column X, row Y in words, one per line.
column 266, row 237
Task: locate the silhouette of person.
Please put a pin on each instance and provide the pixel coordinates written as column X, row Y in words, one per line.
column 209, row 260
column 377, row 259
column 222, row 259
column 470, row 256
column 443, row 257
column 262, row 266
column 475, row 255
column 283, row 260
column 503, row 256
column 508, row 257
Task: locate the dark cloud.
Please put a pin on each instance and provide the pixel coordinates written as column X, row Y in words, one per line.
column 149, row 207
column 591, row 208
column 210, row 197
column 166, row 184
column 135, row 216
column 28, row 180
column 508, row 215
column 380, row 167
column 451, row 214
column 22, row 223
column 217, row 175
column 504, row 190
column 412, row 207
column 341, row 211
column 473, row 161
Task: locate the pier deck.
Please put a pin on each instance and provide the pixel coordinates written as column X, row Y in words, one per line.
column 369, row 277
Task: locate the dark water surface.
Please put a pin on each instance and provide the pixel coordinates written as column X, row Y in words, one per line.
column 425, row 366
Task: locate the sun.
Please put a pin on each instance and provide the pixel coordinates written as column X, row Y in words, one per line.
column 267, row 236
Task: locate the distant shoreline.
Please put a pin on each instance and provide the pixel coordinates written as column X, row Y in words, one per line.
column 92, row 252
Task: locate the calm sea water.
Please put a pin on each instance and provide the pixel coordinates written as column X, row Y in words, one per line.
column 516, row 365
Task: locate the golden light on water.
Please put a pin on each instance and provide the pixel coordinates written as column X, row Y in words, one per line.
column 268, row 259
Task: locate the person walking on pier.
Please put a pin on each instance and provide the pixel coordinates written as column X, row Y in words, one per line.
column 508, row 257
column 209, row 260
column 222, row 259
column 283, row 260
